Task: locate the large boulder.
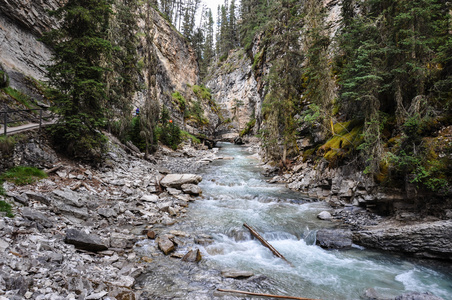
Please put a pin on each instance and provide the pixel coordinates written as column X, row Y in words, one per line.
column 177, row 180
column 334, row 238
column 84, row 241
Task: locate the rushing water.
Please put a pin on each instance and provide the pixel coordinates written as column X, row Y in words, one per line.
column 234, row 193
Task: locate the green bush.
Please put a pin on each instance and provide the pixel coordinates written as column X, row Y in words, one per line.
column 187, row 136
column 250, row 125
column 23, row 175
column 179, row 101
column 134, row 134
column 6, row 207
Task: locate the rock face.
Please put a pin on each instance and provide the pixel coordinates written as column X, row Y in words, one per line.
column 235, row 88
column 430, row 239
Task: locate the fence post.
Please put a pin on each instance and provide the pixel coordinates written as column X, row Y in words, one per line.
column 5, row 121
column 40, row 119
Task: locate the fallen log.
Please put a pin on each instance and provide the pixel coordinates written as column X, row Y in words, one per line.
column 266, row 244
column 53, row 169
column 263, row 295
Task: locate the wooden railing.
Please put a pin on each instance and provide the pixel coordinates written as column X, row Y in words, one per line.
column 5, row 120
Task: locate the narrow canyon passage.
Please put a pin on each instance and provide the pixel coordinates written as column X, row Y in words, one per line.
column 235, row 192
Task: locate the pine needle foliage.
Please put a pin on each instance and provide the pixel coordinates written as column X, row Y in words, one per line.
column 77, row 76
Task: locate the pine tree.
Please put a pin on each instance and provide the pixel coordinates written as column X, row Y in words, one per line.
column 122, row 80
column 81, row 49
column 283, row 98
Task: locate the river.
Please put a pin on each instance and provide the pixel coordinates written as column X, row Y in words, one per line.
column 235, row 192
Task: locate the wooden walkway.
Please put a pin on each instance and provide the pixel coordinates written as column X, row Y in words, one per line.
column 23, row 128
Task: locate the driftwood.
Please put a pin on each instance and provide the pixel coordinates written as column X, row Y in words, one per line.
column 263, row 295
column 53, row 169
column 266, row 244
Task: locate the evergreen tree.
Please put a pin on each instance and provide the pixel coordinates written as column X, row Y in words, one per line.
column 122, row 80
column 283, row 98
column 208, row 47
column 81, row 49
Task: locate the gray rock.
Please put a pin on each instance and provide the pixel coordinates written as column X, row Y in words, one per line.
column 173, row 192
column 428, row 239
column 237, row 274
column 324, row 215
column 84, row 241
column 18, row 198
column 80, row 213
column 166, row 245
column 38, row 217
column 150, row 198
column 418, row 296
column 3, row 245
column 68, row 197
column 177, row 180
column 38, row 197
column 191, row 189
column 107, row 212
column 334, row 238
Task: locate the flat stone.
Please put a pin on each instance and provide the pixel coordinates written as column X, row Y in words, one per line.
column 18, row 198
column 324, row 215
column 150, row 198
column 192, row 256
column 96, row 296
column 36, row 216
column 191, row 189
column 236, row 274
column 418, row 296
column 3, row 245
column 69, row 197
column 38, row 197
column 107, row 212
column 177, row 180
column 173, row 192
column 84, row 241
column 166, row 245
column 80, row 213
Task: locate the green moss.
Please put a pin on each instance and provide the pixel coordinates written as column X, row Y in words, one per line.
column 19, row 96
column 342, row 143
column 187, row 136
column 23, row 175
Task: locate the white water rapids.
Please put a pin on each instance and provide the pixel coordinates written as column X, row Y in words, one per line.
column 234, row 193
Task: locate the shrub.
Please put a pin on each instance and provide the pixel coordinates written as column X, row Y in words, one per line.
column 7, row 144
column 6, row 207
column 179, row 101
column 4, row 79
column 23, row 175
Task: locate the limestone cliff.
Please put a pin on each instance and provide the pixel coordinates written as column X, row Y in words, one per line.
column 235, row 88
column 22, row 55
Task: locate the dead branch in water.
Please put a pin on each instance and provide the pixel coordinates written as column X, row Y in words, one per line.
column 263, row 295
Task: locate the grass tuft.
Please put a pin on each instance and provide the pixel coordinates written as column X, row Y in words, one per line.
column 23, row 175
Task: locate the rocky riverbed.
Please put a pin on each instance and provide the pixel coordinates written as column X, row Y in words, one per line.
column 79, row 233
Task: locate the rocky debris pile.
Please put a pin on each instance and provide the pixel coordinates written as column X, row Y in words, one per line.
column 76, row 234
